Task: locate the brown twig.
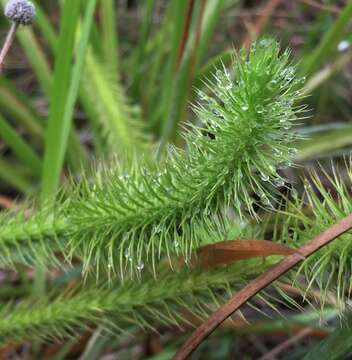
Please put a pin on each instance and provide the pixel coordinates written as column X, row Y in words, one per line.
column 284, row 345
column 331, row 8
column 260, row 283
column 258, row 26
column 8, row 43
column 185, row 34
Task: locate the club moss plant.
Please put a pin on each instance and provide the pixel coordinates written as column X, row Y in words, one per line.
column 126, row 218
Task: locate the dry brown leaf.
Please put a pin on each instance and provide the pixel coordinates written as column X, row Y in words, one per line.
column 226, row 252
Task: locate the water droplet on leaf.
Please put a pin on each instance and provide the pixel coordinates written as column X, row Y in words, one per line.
column 265, row 42
column 264, row 177
column 140, row 266
column 292, row 151
column 343, row 45
column 272, row 84
column 259, row 109
column 279, row 182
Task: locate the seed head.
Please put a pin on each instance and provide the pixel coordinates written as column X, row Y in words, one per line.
column 20, row 11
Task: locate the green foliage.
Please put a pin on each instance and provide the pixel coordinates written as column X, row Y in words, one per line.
column 148, row 303
column 115, row 123
column 317, row 209
column 124, row 219
column 64, row 93
column 329, row 41
column 336, row 346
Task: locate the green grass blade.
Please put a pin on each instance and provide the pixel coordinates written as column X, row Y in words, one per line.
column 45, row 27
column 176, row 20
column 109, row 33
column 75, row 82
column 112, row 117
column 329, row 41
column 56, row 128
column 140, row 52
column 37, row 58
column 323, row 143
column 212, row 12
column 335, row 347
column 16, row 105
column 10, row 175
column 22, row 150
column 42, row 71
column 182, row 84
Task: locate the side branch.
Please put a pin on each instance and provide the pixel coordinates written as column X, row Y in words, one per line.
column 260, row 283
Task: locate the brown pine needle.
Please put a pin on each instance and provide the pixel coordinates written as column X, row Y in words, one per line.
column 256, row 285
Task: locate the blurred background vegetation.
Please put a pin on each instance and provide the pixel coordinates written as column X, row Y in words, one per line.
column 143, row 61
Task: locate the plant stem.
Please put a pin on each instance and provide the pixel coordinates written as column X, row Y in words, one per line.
column 256, row 285
column 329, row 41
column 8, row 43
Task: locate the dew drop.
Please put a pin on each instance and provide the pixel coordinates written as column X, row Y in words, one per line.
column 259, row 109
column 216, row 112
column 264, row 177
column 307, row 185
column 264, row 199
column 271, row 168
column 127, row 253
column 260, row 193
column 244, row 107
column 279, row 182
column 277, row 153
column 265, row 42
column 272, row 85
column 343, row 45
column 287, row 125
column 229, row 85
column 202, row 95
column 292, row 151
column 140, row 266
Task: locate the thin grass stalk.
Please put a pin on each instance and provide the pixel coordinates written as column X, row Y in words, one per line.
column 54, row 145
